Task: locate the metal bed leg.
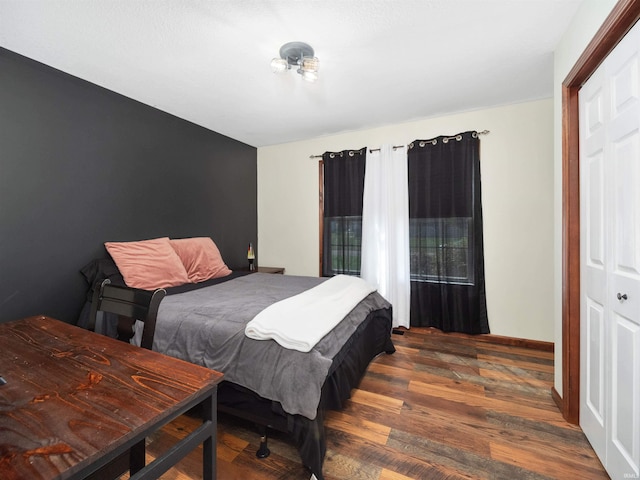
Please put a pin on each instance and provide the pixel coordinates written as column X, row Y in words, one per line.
column 263, row 451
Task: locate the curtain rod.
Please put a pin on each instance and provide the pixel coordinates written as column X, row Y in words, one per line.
column 371, row 150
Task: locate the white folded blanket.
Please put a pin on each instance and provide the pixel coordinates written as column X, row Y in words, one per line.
column 301, row 321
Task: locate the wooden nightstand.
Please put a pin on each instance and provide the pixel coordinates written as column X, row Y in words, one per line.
column 279, row 270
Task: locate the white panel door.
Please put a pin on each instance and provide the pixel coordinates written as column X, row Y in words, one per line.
column 610, row 259
column 623, row 70
column 593, row 275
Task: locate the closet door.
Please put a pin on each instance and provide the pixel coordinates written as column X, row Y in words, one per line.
column 610, row 259
column 593, row 260
column 623, row 296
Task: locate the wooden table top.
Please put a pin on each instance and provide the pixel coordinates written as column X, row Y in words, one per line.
column 71, row 395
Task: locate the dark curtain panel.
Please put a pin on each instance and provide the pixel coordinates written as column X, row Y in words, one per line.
column 445, row 230
column 342, row 229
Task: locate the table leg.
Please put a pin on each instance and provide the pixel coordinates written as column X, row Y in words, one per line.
column 209, row 408
column 137, row 457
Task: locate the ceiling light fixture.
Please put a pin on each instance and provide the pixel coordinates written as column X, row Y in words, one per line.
column 297, row 54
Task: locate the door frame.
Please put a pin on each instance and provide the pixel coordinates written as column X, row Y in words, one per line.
column 623, row 16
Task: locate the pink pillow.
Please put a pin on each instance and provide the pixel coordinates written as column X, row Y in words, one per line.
column 148, row 264
column 201, row 258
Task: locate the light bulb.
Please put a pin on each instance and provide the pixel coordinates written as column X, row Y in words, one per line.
column 308, row 75
column 279, row 65
column 310, row 64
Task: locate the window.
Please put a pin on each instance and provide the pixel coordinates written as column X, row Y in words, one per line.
column 445, row 234
column 441, row 250
column 345, row 242
column 341, row 188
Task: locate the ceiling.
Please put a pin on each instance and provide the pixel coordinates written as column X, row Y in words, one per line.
column 382, row 62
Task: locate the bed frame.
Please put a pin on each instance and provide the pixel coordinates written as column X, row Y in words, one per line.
column 372, row 338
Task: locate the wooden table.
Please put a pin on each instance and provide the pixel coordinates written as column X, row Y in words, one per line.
column 74, row 401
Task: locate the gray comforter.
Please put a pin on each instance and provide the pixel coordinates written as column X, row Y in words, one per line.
column 206, row 327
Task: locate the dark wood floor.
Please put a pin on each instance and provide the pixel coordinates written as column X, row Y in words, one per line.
column 441, row 407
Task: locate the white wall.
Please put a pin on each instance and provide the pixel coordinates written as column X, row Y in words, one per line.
column 583, row 27
column 517, row 200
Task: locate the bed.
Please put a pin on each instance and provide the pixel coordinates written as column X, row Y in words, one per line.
column 272, row 386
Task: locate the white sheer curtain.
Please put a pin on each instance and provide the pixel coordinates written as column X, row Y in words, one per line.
column 385, row 229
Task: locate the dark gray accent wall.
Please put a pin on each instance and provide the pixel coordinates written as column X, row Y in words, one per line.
column 81, row 165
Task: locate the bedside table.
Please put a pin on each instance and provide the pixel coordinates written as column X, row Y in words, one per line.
column 279, row 270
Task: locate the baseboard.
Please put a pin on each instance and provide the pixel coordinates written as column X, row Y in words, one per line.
column 497, row 339
column 517, row 342
column 558, row 399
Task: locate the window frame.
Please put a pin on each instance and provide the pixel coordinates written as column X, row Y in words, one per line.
column 442, row 250
column 349, row 222
column 321, row 225
column 321, row 218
